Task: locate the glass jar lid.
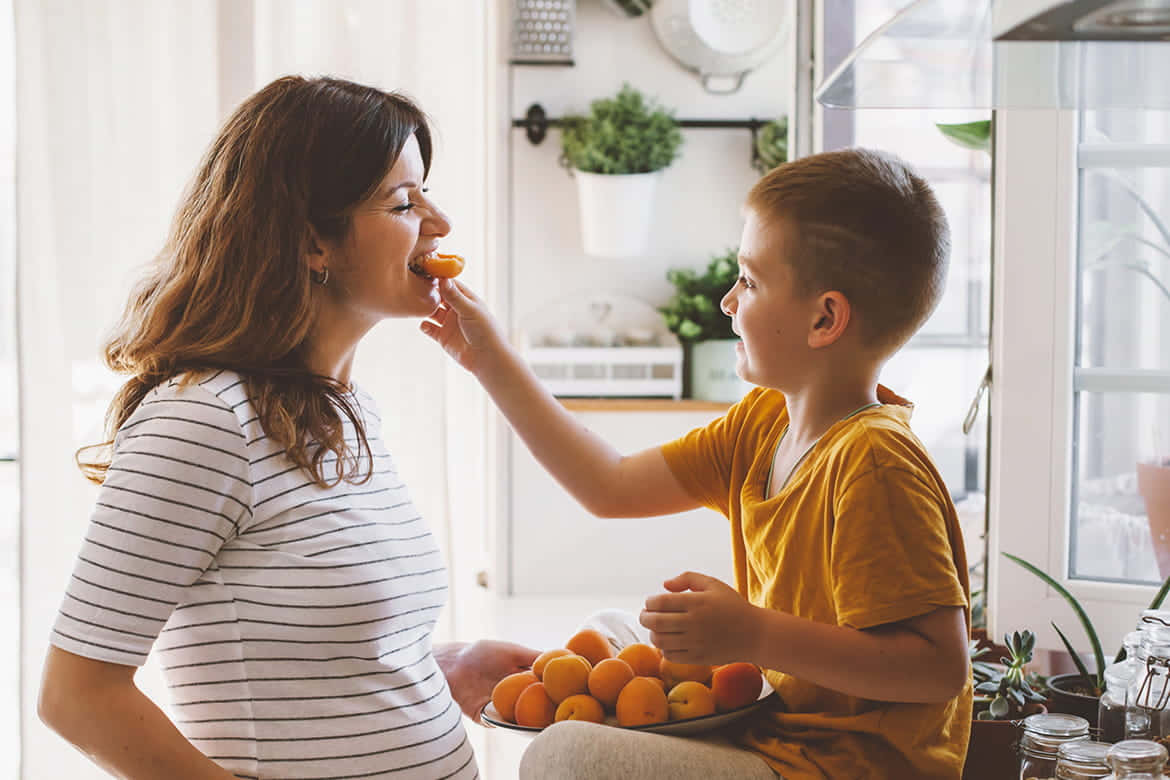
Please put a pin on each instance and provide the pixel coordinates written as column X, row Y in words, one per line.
column 1050, row 724
column 1119, row 675
column 1155, row 644
column 1084, row 755
column 1137, row 754
column 1046, row 732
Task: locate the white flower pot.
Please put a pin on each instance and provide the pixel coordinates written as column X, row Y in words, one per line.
column 713, row 376
column 616, row 210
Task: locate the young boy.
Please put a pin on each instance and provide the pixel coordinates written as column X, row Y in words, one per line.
column 850, row 575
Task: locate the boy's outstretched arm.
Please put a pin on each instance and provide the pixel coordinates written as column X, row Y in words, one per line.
column 922, row 659
column 604, row 481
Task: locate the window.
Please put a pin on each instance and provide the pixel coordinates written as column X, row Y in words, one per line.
column 1121, row 380
column 1081, row 354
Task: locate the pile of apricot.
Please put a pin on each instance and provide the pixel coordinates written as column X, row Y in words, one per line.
column 586, row 680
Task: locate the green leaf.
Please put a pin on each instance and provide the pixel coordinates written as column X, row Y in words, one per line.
column 1000, row 707
column 1081, row 669
column 969, row 135
column 1086, row 624
column 693, row 312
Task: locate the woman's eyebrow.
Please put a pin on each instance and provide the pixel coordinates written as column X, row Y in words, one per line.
column 406, row 185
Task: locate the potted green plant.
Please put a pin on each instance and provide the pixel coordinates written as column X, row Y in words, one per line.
column 1079, row 692
column 693, row 314
column 617, row 153
column 771, row 145
column 1003, row 695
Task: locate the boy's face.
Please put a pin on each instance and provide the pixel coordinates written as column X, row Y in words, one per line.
column 767, row 312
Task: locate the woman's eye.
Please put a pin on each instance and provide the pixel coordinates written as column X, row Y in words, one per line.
column 404, row 207
column 746, row 282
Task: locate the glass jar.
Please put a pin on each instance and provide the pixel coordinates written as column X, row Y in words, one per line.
column 1136, row 759
column 1148, row 696
column 1082, row 760
column 1111, row 708
column 1041, row 739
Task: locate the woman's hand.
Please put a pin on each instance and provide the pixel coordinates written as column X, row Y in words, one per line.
column 473, row 670
column 463, row 326
column 702, row 621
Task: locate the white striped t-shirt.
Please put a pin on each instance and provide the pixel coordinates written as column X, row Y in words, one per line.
column 292, row 623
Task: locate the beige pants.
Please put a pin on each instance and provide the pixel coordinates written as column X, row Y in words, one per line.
column 576, row 750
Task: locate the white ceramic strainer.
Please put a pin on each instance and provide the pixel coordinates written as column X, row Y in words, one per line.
column 736, row 26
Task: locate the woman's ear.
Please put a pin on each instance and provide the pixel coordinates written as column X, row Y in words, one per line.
column 832, row 318
column 313, row 250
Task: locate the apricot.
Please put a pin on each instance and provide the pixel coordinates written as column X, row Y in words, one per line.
column 674, row 673
column 690, row 699
column 534, row 708
column 642, row 702
column 642, row 658
column 442, row 266
column 543, row 659
column 506, row 692
column 592, row 644
column 580, row 707
column 566, row 676
column 607, row 680
column 736, row 685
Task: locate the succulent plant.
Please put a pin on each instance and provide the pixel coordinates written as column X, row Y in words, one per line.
column 1007, row 686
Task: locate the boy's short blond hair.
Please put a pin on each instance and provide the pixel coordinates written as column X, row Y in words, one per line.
column 866, row 225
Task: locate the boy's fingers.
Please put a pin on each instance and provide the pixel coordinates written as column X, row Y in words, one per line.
column 667, row 602
column 688, row 580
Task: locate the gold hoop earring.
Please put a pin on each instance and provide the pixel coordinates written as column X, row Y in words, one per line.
column 320, row 277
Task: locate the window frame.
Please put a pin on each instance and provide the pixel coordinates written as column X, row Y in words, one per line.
column 1034, row 322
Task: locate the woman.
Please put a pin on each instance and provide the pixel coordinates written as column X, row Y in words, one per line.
column 251, row 527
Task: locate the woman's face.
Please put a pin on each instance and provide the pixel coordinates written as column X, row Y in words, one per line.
column 369, row 270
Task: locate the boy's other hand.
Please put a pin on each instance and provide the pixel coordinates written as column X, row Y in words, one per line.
column 463, row 326
column 702, row 621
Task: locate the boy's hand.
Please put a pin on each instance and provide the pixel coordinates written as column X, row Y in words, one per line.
column 702, row 621
column 463, row 326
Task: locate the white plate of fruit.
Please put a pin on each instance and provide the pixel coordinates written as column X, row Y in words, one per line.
column 635, row 688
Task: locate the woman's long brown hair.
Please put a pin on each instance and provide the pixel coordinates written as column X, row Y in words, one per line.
column 231, row 288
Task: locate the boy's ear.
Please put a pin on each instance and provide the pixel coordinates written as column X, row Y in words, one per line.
column 832, row 318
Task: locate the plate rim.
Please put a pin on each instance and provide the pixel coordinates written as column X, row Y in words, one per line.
column 767, row 693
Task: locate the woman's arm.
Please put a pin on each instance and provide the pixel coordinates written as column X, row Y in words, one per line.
column 97, row 707
column 602, row 480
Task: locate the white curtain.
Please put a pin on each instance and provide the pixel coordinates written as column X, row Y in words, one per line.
column 116, row 101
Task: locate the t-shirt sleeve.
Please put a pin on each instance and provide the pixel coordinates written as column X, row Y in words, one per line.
column 702, row 459
column 891, row 555
column 177, row 489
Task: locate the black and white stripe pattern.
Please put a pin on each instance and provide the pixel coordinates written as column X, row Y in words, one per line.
column 293, row 623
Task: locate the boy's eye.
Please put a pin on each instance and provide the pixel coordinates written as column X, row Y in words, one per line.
column 747, row 283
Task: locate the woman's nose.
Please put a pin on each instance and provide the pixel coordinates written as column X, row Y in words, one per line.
column 437, row 222
column 727, row 305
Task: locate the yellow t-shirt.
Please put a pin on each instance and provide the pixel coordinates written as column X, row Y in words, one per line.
column 864, row 533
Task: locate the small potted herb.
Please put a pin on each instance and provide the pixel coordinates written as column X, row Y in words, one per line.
column 694, row 315
column 617, row 154
column 1004, row 694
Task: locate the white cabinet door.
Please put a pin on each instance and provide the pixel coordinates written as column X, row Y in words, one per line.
column 558, row 548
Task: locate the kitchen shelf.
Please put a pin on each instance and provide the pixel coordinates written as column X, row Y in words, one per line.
column 642, row 405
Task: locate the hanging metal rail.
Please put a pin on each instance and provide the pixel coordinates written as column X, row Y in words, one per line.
column 536, row 124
